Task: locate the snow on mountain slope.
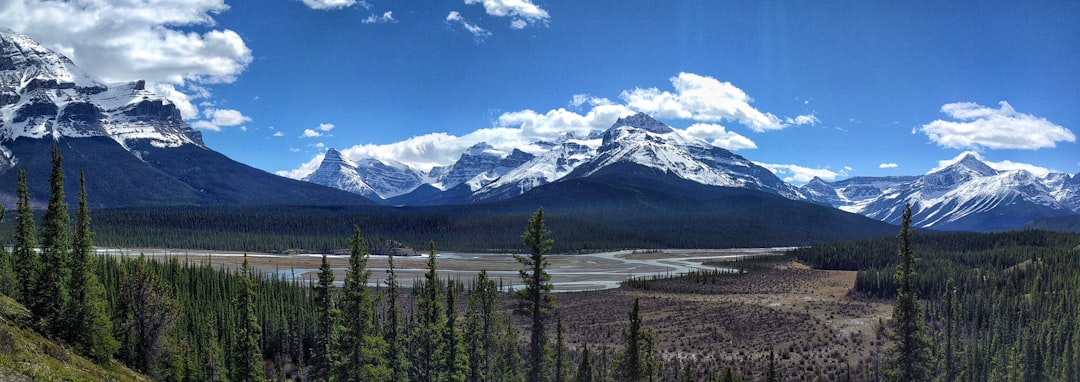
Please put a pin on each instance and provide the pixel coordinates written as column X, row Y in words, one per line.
column 337, row 172
column 43, row 94
column 554, row 164
column 967, row 194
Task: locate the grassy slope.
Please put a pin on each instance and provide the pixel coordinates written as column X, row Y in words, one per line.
column 27, row 356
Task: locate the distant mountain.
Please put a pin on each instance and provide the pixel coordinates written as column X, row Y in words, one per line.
column 966, row 195
column 132, row 144
column 371, row 177
column 484, row 174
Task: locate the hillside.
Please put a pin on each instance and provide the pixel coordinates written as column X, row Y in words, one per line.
column 27, row 356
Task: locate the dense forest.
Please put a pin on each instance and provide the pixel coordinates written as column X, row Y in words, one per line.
column 999, row 307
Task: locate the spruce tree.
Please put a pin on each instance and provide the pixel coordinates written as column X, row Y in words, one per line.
column 479, row 327
column 584, row 370
column 909, row 355
column 27, row 260
column 326, row 320
column 428, row 345
column 9, row 283
column 536, row 300
column 249, row 332
column 90, row 328
column 457, row 359
column 53, row 295
column 561, row 369
column 363, row 349
column 638, row 360
column 396, row 354
column 149, row 310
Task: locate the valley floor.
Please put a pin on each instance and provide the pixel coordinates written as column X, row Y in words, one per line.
column 807, row 317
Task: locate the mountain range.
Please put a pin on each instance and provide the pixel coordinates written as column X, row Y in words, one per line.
column 134, row 145
column 966, row 195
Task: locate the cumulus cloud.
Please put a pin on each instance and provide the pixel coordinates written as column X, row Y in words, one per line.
column 704, row 99
column 796, row 174
column 326, row 126
column 132, row 40
column 720, row 137
column 330, row 4
column 479, row 34
column 309, row 133
column 888, row 165
column 386, row 18
column 1005, row 165
column 218, row 118
column 978, row 126
column 522, row 12
column 172, row 44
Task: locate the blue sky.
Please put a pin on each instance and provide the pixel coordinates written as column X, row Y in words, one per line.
column 832, row 89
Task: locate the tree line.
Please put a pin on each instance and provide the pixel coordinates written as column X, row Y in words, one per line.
column 990, row 307
column 177, row 321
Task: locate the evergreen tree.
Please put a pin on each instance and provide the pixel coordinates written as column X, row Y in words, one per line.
column 363, row 349
column 584, row 370
column 249, row 332
column 396, row 354
column 950, row 330
column 149, row 311
column 53, row 295
column 27, row 260
column 479, row 327
column 89, row 328
column 561, row 368
column 457, row 359
column 9, row 283
column 638, row 360
column 536, row 299
column 909, row 355
column 326, row 319
column 428, row 345
column 771, row 374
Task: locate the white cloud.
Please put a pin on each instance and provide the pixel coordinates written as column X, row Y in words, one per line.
column 326, row 126
column 279, row 134
column 798, row 174
column 888, row 165
column 122, row 41
column 1004, row 128
column 218, row 118
column 309, row 133
column 704, row 99
column 330, row 4
column 479, row 34
column 387, row 17
column 803, row 120
column 720, row 137
column 1005, row 165
column 523, row 12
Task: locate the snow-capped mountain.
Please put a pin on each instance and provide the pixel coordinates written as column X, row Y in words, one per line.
column 369, row 177
column 133, row 144
column 484, row 173
column 43, row 94
column 965, row 195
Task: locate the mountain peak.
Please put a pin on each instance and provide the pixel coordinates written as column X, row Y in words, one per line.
column 971, row 162
column 28, row 65
column 480, row 149
column 643, row 121
column 333, row 155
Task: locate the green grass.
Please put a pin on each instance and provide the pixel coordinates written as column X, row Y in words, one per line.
column 25, row 355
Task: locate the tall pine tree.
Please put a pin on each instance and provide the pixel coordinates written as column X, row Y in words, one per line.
column 427, row 343
column 55, row 255
column 149, row 311
column 457, row 359
column 249, row 332
column 89, row 328
column 909, row 356
column 396, row 353
column 638, row 360
column 326, row 320
column 25, row 255
column 479, row 327
column 9, row 283
column 536, row 300
column 363, row 349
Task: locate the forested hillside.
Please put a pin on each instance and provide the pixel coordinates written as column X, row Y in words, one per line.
column 1003, row 306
